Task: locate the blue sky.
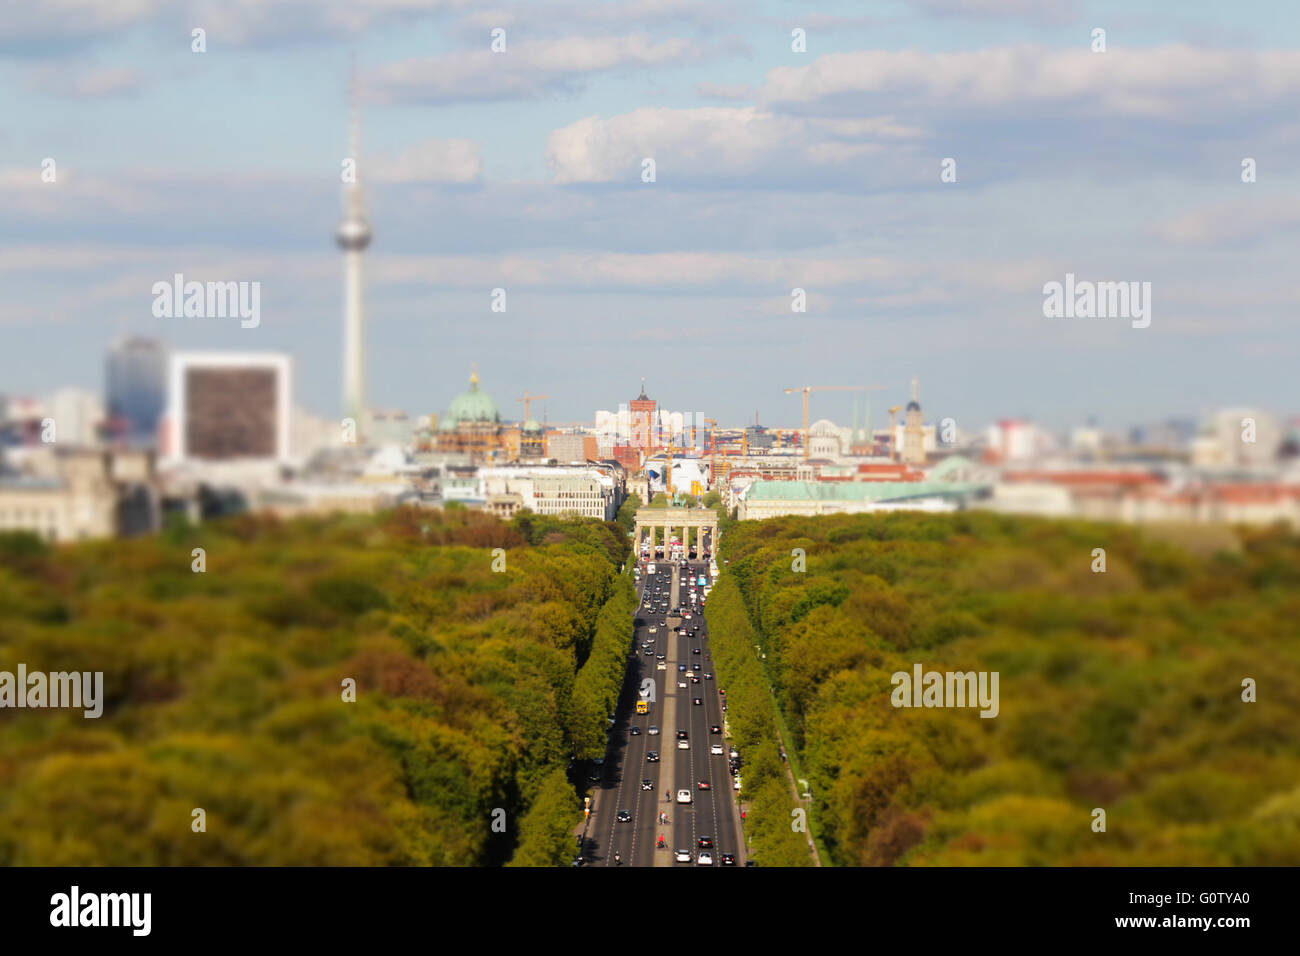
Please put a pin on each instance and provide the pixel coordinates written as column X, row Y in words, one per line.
column 775, row 169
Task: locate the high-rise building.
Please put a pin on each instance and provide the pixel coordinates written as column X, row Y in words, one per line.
column 136, row 390
column 353, row 237
column 78, row 415
column 229, row 406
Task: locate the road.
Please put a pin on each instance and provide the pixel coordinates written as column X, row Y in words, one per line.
column 712, row 813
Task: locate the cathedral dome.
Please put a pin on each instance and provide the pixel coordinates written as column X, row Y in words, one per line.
column 473, row 406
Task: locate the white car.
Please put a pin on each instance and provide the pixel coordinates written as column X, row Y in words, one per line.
column 716, row 749
column 661, row 666
column 682, row 856
column 683, row 745
column 735, row 785
column 654, row 630
column 683, row 796
column 705, row 859
column 681, row 683
column 653, row 731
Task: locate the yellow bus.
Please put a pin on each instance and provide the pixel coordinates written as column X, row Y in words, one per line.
column 643, row 706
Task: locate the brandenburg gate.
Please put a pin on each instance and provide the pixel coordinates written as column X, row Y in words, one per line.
column 650, row 520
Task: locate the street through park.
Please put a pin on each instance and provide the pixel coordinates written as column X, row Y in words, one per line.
column 630, row 779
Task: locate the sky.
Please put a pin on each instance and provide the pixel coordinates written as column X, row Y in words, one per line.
column 775, row 169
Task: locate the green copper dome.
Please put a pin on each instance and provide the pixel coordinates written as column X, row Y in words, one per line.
column 472, row 406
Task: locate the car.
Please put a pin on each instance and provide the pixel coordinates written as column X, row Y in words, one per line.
column 682, row 856
column 703, row 785
column 716, row 750
column 661, row 666
column 715, row 729
column 647, row 784
column 660, row 657
column 649, row 652
column 681, row 683
column 695, row 650
column 694, row 679
column 696, row 701
column 683, row 745
column 705, row 843
column 735, row 785
column 652, row 756
column 708, row 676
column 695, row 666
column 652, row 730
column 682, row 735
column 727, row 859
column 687, row 615
column 683, row 796
column 594, row 776
column 735, row 754
column 654, row 630
column 625, row 816
column 681, row 667
column 722, row 692
column 634, row 731
column 704, row 859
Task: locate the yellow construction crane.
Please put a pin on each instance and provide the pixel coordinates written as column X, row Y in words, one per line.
column 893, row 449
column 713, row 449
column 806, row 389
column 528, row 403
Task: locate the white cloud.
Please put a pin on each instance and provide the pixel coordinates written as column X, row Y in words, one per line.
column 1170, row 82
column 1232, row 222
column 526, row 70
column 1043, row 11
column 433, row 161
column 707, row 144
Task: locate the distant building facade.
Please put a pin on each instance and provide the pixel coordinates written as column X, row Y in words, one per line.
column 135, row 382
column 229, row 407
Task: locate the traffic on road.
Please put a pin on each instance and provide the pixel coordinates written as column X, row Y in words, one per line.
column 669, row 803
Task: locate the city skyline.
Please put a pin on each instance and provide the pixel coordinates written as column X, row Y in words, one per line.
column 776, row 170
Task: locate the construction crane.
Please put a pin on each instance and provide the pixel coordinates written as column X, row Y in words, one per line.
column 893, row 442
column 806, row 389
column 713, row 450
column 528, row 403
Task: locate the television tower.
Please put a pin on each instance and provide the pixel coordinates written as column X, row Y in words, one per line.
column 353, row 237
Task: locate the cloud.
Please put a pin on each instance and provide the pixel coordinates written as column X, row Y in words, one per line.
column 725, row 91
column 31, row 26
column 1233, row 222
column 433, row 161
column 1173, row 82
column 1039, row 11
column 711, row 145
column 528, row 70
column 62, row 79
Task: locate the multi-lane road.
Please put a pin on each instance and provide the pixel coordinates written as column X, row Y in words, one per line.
column 644, row 787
